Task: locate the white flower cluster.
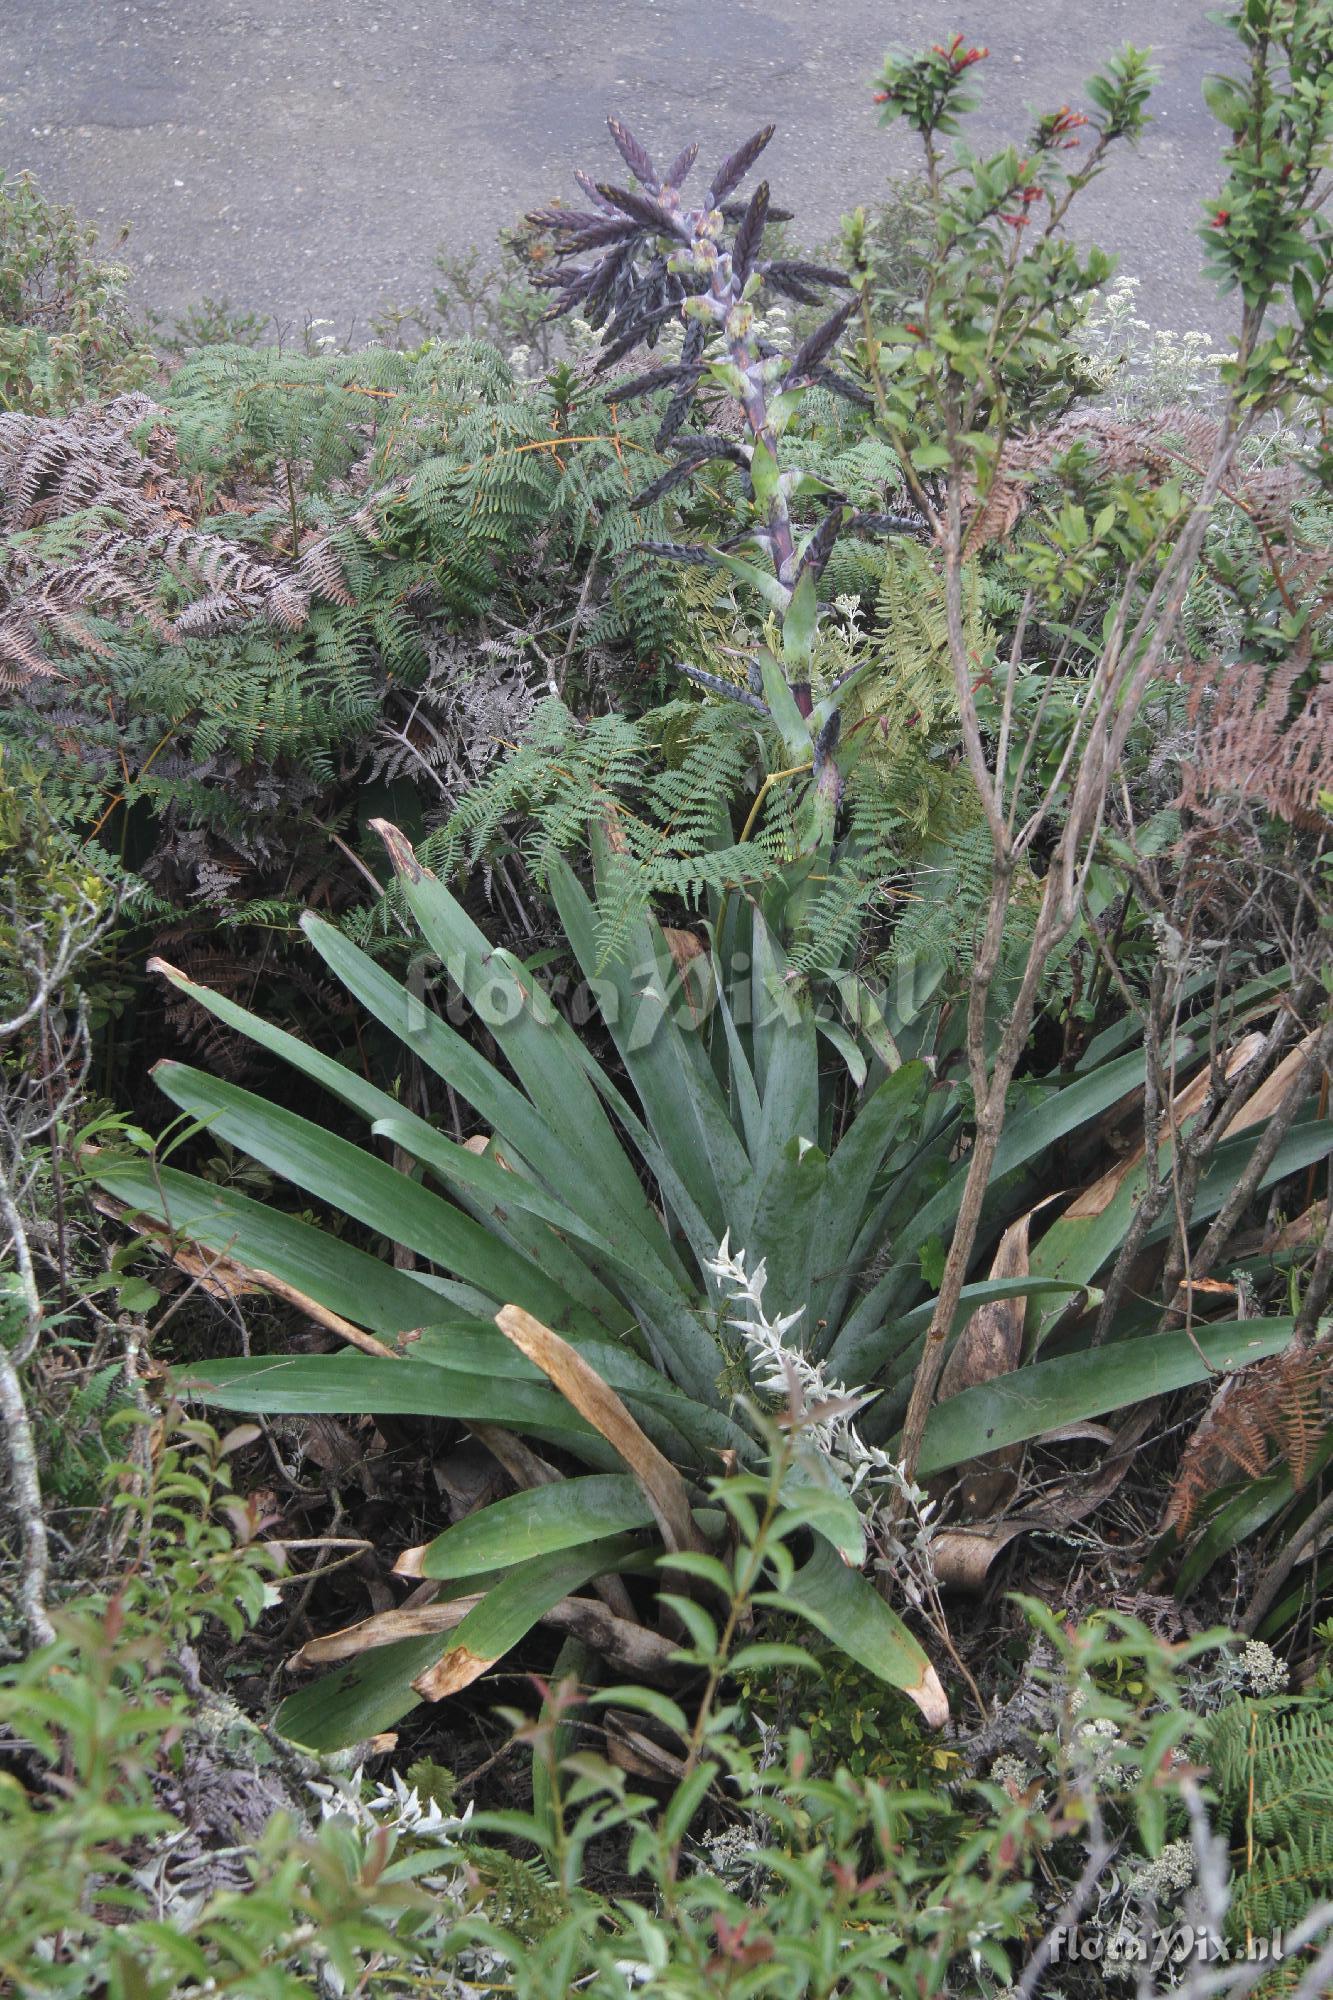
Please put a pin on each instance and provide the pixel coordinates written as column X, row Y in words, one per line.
column 1260, row 1670
column 731, row 1853
column 1091, row 1741
column 1172, row 1871
column 1013, row 1773
column 1146, row 368
column 400, row 1806
column 849, row 609
column 419, row 1825
column 891, row 1503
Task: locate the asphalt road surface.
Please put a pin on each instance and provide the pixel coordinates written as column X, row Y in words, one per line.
column 308, row 156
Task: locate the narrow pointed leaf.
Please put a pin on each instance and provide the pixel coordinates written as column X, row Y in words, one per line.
column 376, row 1194
column 501, row 1191
column 791, row 724
column 549, row 1146
column 679, row 1093
column 347, row 1280
column 1048, row 1394
column 840, row 1603
column 509, row 1611
column 862, row 1343
column 559, row 1516
column 543, row 1049
column 362, row 1385
column 360, row 1699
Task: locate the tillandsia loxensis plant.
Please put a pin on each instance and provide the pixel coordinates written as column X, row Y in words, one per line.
column 660, row 260
column 549, row 1301
column 564, row 1288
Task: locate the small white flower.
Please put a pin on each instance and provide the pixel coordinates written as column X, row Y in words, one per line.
column 402, row 1808
column 1172, row 1871
column 1260, row 1669
column 866, row 1471
column 1012, row 1773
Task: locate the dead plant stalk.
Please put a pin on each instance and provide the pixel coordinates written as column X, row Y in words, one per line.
column 1137, row 646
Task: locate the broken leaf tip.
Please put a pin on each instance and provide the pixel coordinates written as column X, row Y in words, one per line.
column 400, row 850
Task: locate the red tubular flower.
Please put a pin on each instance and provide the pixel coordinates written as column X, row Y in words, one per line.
column 1061, row 125
column 912, row 327
column 1222, row 218
column 957, row 57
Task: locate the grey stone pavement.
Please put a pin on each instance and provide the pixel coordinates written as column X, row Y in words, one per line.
column 307, row 156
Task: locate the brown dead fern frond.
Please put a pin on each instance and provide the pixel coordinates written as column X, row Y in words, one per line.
column 121, row 453
column 232, row 970
column 1276, row 1413
column 97, row 517
column 1264, row 734
column 1180, row 441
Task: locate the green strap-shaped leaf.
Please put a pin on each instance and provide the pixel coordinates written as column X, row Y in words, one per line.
column 513, row 1606
column 781, row 1229
column 856, row 1160
column 746, row 1108
column 675, row 1194
column 1079, row 1246
column 983, row 1293
column 377, row 1105
column 798, row 628
column 840, row 1603
column 362, row 1288
column 792, row 726
column 1305, row 1145
column 540, row 1045
column 774, row 594
column 556, row 1154
column 560, row 1516
column 350, row 1179
column 486, row 1380
column 364, row 1385
column 859, row 1348
column 1047, row 1394
column 501, row 1190
column 360, row 1698
column 680, row 1096
column 568, row 1261
column 785, row 1034
column 373, row 1691
column 1032, row 1133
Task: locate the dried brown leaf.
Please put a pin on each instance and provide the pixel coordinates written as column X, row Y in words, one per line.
column 595, row 1401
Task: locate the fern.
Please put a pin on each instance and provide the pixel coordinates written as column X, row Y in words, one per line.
column 231, row 609
column 676, row 782
column 1271, row 1767
column 77, row 1452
